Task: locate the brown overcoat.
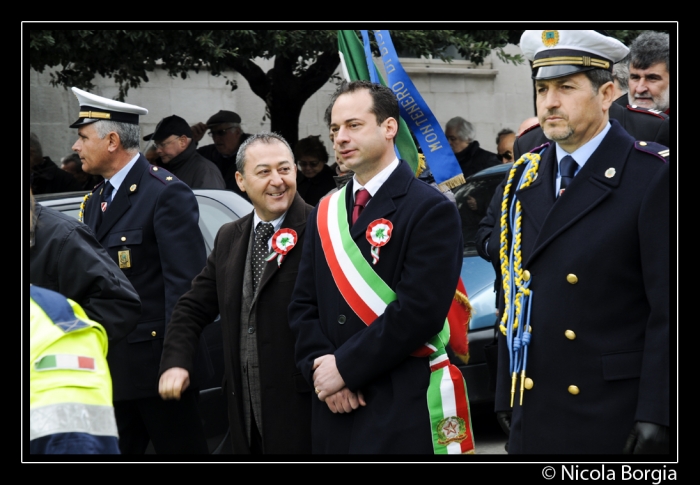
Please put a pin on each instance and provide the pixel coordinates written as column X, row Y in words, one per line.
column 218, row 289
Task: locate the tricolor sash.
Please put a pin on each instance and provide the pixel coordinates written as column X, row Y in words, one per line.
column 368, row 295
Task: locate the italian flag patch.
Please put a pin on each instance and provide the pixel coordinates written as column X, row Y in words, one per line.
column 65, row 361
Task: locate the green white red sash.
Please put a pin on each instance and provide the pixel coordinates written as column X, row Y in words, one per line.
column 368, row 296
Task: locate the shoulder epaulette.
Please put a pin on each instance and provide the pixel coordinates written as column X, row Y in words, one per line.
column 529, row 129
column 97, row 186
column 162, row 174
column 653, row 112
column 540, row 148
column 653, row 148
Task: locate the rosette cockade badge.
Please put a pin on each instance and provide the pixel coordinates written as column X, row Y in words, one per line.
column 378, row 234
column 282, row 242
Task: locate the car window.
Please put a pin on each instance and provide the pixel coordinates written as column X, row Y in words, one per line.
column 212, row 215
column 473, row 199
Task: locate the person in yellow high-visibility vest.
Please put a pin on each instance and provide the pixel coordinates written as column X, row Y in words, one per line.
column 70, row 385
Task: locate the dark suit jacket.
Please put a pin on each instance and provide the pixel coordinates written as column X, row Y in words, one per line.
column 640, row 123
column 286, row 397
column 155, row 217
column 421, row 264
column 474, row 159
column 611, row 230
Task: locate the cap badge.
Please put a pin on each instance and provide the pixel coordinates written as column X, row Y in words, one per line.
column 550, row 38
column 610, row 173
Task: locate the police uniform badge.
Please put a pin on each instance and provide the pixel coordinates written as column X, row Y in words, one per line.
column 124, row 257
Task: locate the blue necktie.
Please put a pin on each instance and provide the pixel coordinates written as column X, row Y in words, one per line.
column 106, row 195
column 106, row 198
column 567, row 169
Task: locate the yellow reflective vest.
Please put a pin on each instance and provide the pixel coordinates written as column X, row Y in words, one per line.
column 69, row 380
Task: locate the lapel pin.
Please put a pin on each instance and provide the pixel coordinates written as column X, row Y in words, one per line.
column 378, row 234
column 282, row 242
column 610, row 173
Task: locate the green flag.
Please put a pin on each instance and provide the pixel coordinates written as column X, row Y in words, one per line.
column 354, row 66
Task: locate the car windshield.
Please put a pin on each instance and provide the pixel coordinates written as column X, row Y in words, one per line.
column 473, row 199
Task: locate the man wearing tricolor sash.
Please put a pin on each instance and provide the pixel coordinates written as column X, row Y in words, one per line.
column 380, row 263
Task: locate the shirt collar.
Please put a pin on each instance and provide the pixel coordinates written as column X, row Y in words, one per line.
column 277, row 223
column 119, row 177
column 584, row 152
column 375, row 182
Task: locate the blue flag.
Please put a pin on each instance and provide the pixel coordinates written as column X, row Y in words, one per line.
column 417, row 115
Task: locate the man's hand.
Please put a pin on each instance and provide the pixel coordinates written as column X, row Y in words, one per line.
column 647, row 438
column 173, row 383
column 503, row 418
column 198, row 131
column 327, row 379
column 345, row 401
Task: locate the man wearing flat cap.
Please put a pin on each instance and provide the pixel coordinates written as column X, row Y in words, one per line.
column 147, row 220
column 584, row 346
column 227, row 134
column 177, row 152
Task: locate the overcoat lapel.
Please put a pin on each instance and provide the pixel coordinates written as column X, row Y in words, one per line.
column 295, row 220
column 593, row 184
column 382, row 204
column 92, row 207
column 236, row 264
column 121, row 201
column 538, row 198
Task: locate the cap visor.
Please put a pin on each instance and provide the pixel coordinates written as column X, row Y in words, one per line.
column 83, row 122
column 551, row 72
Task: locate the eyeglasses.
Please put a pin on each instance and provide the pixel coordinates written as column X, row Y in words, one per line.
column 219, row 132
column 160, row 146
column 309, row 164
column 507, row 155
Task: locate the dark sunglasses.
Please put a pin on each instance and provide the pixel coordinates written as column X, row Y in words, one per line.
column 505, row 155
column 219, row 132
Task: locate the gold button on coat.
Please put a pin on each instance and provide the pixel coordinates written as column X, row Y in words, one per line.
column 153, row 333
column 570, row 334
column 572, row 278
column 123, row 238
column 529, row 383
column 573, row 390
column 526, row 275
column 643, row 143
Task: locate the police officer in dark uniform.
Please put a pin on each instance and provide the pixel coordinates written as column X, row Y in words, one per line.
column 641, row 123
column 147, row 220
column 587, row 368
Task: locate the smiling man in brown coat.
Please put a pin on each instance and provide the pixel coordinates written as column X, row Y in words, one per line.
column 269, row 403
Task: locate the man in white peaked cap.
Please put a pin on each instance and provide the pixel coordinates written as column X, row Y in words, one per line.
column 147, row 220
column 584, row 361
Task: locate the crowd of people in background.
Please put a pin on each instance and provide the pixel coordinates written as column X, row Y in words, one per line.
column 305, row 371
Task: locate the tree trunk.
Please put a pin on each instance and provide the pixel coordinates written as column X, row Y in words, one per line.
column 289, row 93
